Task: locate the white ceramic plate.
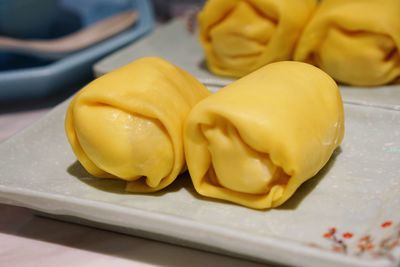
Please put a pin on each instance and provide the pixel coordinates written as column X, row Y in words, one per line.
column 348, row 215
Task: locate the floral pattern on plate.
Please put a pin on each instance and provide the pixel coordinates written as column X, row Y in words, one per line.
column 380, row 245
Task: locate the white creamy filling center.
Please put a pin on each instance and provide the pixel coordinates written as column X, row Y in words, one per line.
column 236, row 165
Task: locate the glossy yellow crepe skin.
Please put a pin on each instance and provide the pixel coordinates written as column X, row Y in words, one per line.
column 128, row 123
column 240, row 36
column 356, row 42
column 257, row 140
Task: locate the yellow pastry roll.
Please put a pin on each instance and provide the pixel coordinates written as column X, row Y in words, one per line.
column 356, row 42
column 239, row 36
column 257, row 140
column 128, row 123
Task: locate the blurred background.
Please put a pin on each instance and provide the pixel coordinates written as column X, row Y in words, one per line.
column 36, row 73
column 167, row 9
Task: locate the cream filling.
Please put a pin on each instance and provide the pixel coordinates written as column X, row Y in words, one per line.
column 125, row 145
column 237, row 166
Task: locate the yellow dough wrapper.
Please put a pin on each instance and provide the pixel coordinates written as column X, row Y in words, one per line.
column 257, row 140
column 356, row 42
column 128, row 123
column 240, row 36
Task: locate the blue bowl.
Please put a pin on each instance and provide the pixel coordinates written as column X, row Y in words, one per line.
column 23, row 77
column 27, row 18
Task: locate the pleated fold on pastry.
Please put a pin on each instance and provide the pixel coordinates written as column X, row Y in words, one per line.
column 128, row 123
column 257, row 140
column 239, row 36
column 356, row 42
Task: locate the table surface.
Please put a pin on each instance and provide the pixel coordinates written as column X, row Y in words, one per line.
column 30, row 240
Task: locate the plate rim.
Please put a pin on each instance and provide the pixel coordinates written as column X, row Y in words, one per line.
column 170, row 225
